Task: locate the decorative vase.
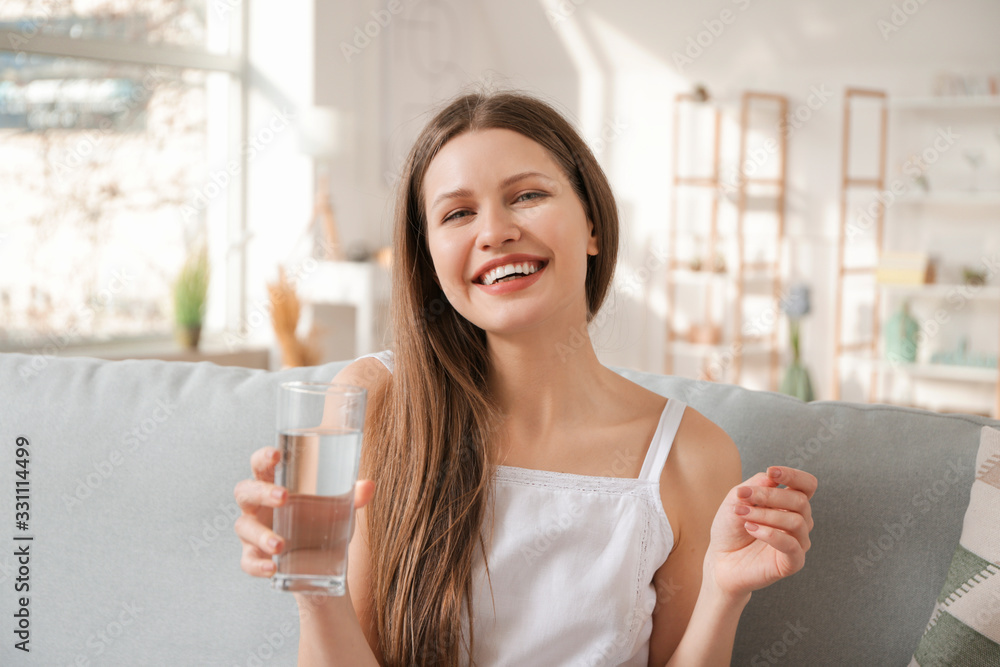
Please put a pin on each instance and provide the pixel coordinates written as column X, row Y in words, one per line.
column 796, row 381
column 187, row 336
column 901, row 336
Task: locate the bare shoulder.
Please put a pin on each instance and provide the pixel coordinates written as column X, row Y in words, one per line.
column 704, row 464
column 369, row 373
column 701, row 443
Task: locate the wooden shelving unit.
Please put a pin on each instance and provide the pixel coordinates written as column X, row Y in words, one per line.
column 724, row 345
column 868, row 353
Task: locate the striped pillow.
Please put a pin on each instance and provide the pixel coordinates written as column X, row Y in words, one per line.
column 965, row 626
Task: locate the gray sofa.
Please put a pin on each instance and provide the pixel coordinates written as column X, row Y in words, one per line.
column 134, row 561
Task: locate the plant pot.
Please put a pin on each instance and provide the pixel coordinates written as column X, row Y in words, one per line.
column 187, row 336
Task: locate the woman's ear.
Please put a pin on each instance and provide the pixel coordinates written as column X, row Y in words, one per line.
column 592, row 248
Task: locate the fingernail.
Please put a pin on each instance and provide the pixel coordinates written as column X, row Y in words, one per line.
column 273, row 543
column 278, row 494
column 751, row 526
column 743, row 492
column 774, row 473
column 742, row 510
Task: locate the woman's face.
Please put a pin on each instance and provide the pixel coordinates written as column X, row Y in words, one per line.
column 497, row 195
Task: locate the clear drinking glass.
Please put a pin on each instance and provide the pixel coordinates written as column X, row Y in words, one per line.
column 320, row 427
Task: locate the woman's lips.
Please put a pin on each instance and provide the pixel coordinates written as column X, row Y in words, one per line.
column 515, row 285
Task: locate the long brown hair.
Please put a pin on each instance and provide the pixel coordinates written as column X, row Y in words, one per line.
column 430, row 429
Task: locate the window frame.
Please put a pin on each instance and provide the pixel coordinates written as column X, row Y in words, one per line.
column 236, row 65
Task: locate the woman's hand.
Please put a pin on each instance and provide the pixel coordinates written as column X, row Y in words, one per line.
column 257, row 498
column 761, row 531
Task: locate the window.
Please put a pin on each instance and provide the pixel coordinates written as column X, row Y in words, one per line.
column 115, row 118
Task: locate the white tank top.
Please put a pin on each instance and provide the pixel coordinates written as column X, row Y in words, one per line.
column 571, row 560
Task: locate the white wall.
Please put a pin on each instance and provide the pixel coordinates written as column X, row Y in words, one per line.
column 611, row 65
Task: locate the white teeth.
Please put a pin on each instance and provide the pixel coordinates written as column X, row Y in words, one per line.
column 499, row 272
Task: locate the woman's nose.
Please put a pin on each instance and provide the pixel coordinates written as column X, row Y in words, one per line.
column 496, row 226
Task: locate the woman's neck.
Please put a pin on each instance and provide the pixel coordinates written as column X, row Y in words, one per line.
column 543, row 385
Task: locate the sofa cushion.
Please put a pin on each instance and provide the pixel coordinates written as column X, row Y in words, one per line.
column 965, row 626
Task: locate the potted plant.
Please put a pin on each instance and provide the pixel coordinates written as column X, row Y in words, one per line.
column 190, row 295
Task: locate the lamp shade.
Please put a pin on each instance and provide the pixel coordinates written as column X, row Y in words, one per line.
column 320, row 131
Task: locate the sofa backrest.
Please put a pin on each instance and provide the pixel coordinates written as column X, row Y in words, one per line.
column 132, row 466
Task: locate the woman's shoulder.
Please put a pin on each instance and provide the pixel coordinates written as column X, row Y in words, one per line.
column 368, row 372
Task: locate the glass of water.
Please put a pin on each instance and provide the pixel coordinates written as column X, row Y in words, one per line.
column 320, row 428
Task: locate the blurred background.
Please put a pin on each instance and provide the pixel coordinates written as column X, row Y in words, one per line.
column 809, row 191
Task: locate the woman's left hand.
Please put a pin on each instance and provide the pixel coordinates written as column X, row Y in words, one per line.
column 761, row 531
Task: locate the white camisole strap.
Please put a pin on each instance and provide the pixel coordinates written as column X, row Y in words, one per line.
column 663, row 440
column 385, row 356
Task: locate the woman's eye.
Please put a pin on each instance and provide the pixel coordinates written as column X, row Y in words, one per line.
column 531, row 195
column 456, row 214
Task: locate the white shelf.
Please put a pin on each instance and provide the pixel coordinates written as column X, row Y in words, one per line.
column 949, row 103
column 942, row 291
column 703, row 350
column 955, row 372
column 691, row 277
column 953, row 198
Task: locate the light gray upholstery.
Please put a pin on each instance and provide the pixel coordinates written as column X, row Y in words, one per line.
column 134, row 560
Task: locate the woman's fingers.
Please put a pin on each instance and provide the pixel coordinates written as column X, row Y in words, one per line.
column 781, row 541
column 263, row 461
column 256, row 563
column 791, row 523
column 253, row 532
column 253, row 494
column 794, row 478
column 776, row 498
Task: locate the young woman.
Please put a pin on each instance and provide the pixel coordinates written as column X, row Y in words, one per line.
column 575, row 517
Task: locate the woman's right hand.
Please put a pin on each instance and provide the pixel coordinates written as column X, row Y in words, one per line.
column 257, row 499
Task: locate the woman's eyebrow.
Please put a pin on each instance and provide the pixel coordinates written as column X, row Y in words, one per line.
column 465, row 192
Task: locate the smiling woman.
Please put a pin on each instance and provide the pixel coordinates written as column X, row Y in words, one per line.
column 518, row 506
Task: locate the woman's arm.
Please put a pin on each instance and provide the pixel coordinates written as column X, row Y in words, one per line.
column 330, row 633
column 730, row 539
column 703, row 466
